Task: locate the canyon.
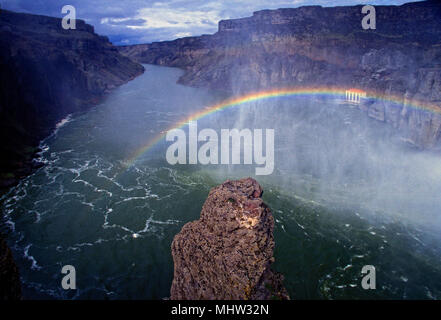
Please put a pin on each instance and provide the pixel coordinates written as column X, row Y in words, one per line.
column 317, row 46
column 47, row 73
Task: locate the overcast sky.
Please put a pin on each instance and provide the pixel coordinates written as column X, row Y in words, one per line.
column 141, row 21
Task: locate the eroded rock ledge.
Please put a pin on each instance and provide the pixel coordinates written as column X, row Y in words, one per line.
column 227, row 253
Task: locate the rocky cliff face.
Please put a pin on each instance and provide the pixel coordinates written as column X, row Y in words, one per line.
column 315, row 46
column 227, row 253
column 46, row 73
column 10, row 287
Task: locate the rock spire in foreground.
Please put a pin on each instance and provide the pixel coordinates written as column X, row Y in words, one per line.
column 227, row 253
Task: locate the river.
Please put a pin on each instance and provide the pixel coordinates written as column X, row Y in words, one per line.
column 344, row 193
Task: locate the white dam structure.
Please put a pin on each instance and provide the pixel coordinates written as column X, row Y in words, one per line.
column 355, row 95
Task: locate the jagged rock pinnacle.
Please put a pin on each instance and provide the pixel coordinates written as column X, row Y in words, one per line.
column 227, row 253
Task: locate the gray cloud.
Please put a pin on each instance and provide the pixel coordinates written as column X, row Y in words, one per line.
column 140, row 21
column 127, row 22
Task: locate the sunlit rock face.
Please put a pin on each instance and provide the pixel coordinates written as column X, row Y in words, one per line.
column 227, row 253
column 46, row 73
column 316, row 46
column 10, row 287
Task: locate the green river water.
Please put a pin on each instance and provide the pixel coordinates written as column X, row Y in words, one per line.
column 344, row 193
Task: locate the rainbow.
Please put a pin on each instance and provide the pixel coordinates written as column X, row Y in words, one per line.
column 276, row 93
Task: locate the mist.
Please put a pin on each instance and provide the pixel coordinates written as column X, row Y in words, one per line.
column 332, row 153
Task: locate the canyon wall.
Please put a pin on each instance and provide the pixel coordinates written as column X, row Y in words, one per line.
column 228, row 252
column 46, row 73
column 323, row 46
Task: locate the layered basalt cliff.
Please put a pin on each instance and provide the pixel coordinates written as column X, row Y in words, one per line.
column 46, row 73
column 314, row 47
column 228, row 252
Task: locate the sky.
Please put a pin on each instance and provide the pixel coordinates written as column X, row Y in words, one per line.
column 144, row 21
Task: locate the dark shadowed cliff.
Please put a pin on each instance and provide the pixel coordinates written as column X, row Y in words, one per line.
column 10, row 287
column 316, row 46
column 228, row 252
column 46, row 73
